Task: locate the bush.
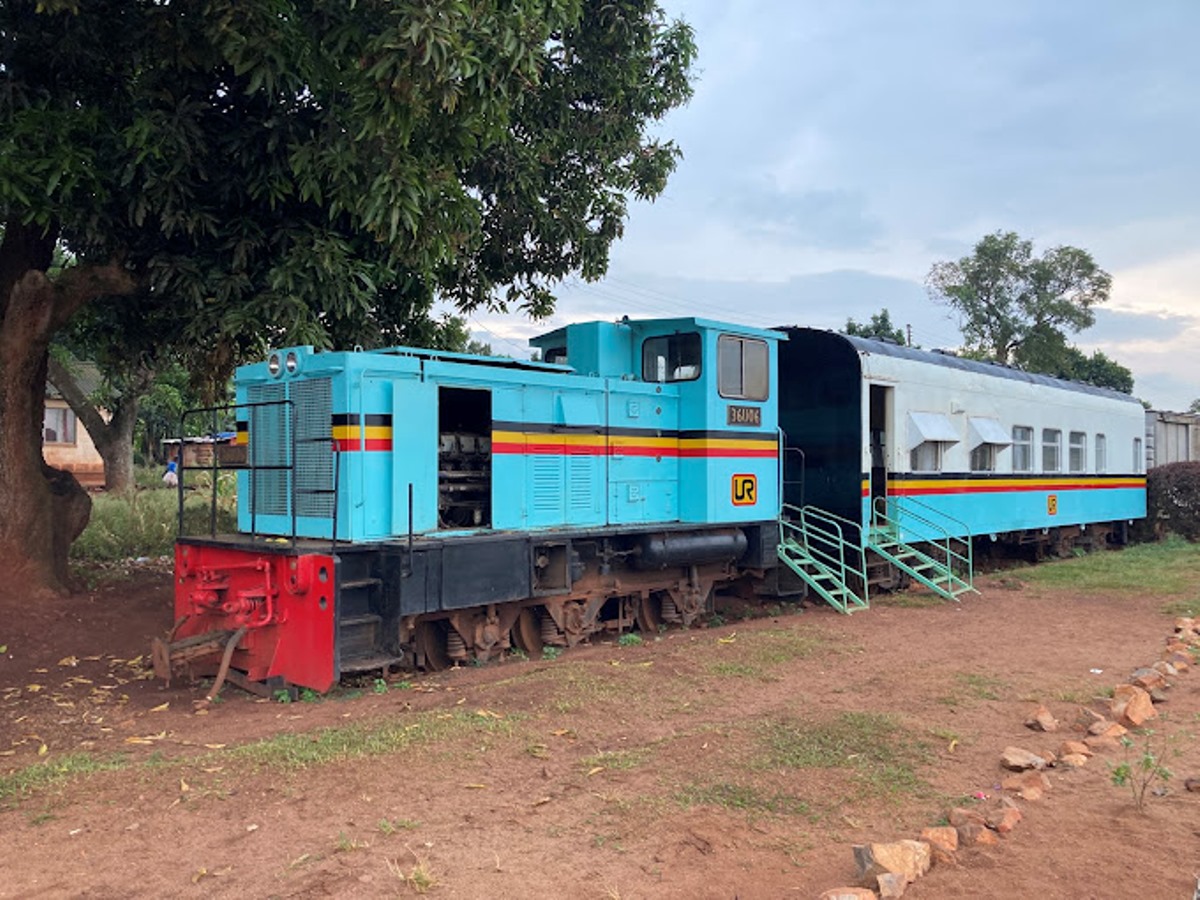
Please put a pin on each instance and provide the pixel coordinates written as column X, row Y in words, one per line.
column 1173, row 499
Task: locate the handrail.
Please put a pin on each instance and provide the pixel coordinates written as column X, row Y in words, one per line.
column 254, row 467
column 904, row 508
column 822, row 536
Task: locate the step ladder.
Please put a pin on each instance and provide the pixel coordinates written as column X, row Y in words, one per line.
column 935, row 551
column 825, row 552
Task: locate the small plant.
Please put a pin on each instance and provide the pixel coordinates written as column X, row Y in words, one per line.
column 420, row 878
column 308, row 695
column 346, row 844
column 1141, row 768
column 629, row 640
column 403, row 685
column 551, row 652
column 716, row 620
column 392, row 826
column 518, row 653
column 282, row 696
column 380, row 686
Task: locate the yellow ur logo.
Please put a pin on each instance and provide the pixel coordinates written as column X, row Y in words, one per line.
column 744, row 490
column 1052, row 504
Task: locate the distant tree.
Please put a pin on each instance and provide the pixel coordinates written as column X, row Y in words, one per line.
column 1194, row 406
column 1071, row 362
column 880, row 328
column 1006, row 297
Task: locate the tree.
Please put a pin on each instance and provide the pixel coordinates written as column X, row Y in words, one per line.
column 277, row 172
column 1194, row 406
column 880, row 328
column 1072, row 363
column 1007, row 298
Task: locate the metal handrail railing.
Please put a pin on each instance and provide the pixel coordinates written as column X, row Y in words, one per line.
column 905, row 508
column 822, row 535
column 254, row 467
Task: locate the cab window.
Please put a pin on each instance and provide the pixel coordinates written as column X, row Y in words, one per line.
column 672, row 357
column 743, row 368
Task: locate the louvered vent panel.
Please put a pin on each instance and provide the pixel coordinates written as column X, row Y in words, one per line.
column 269, row 446
column 579, row 483
column 547, row 483
column 314, row 452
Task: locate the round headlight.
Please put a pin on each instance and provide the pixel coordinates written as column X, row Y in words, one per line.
column 292, row 362
column 273, row 365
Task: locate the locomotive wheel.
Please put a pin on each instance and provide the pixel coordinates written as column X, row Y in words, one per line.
column 527, row 633
column 430, row 641
column 649, row 614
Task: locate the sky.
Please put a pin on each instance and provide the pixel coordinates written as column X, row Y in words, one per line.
column 833, row 152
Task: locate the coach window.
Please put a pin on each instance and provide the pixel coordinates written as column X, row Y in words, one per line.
column 1101, row 454
column 673, row 357
column 1138, row 459
column 1077, row 452
column 927, row 456
column 1051, row 450
column 1022, row 439
column 987, row 438
column 742, row 368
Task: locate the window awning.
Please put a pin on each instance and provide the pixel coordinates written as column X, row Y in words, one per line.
column 988, row 431
column 927, row 426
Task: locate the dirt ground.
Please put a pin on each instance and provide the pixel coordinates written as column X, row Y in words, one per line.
column 684, row 767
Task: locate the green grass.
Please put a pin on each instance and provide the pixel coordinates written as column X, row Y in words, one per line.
column 728, row 795
column 779, row 645
column 145, row 522
column 881, row 754
column 54, row 772
column 299, row 751
column 1167, row 567
column 617, row 759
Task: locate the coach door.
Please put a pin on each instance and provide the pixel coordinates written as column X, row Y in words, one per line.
column 880, row 436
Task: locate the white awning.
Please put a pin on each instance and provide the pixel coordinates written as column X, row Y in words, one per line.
column 927, row 426
column 988, row 431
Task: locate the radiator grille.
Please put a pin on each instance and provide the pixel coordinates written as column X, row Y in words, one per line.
column 547, row 483
column 270, row 445
column 314, row 449
column 579, row 483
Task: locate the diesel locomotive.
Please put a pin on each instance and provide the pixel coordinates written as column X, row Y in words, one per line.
column 411, row 507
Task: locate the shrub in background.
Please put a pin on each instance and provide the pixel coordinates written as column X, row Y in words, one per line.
column 1173, row 499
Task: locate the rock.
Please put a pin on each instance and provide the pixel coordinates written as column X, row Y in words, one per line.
column 1042, row 720
column 908, row 858
column 1086, row 718
column 1132, row 706
column 1102, row 742
column 1074, row 760
column 848, row 893
column 1105, row 728
column 1049, row 756
column 1158, row 695
column 941, row 837
column 1069, row 747
column 1192, row 784
column 1018, row 760
column 1176, row 646
column 1185, row 623
column 1181, row 661
column 1166, row 668
column 1004, row 819
column 975, row 835
column 1030, row 785
column 960, row 816
column 891, row 885
column 1148, row 679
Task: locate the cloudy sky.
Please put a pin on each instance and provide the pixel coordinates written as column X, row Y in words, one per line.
column 834, row 151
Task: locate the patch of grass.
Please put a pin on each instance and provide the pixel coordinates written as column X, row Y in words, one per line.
column 347, row 844
column 299, row 751
column 144, row 522
column 1177, row 608
column 629, row 640
column 974, row 686
column 392, row 826
column 420, row 878
column 779, row 645
column 881, row 753
column 54, row 772
column 551, row 652
column 1169, row 565
column 617, row 759
column 908, row 600
column 746, row 798
column 735, row 670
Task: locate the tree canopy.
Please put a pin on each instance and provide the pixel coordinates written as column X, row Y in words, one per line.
column 264, row 171
column 879, row 328
column 1018, row 308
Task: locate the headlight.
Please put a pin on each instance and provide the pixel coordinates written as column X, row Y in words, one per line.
column 273, row 365
column 292, row 362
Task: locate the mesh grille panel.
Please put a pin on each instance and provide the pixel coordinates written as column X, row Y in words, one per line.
column 314, row 450
column 547, row 483
column 579, row 483
column 269, row 446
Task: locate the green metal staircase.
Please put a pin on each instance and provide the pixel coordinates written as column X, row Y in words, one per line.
column 941, row 559
column 825, row 552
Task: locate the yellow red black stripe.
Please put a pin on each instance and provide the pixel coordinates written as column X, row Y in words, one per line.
column 595, row 440
column 352, row 432
column 243, row 434
column 923, row 484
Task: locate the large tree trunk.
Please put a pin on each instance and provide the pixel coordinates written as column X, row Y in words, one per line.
column 113, row 438
column 44, row 509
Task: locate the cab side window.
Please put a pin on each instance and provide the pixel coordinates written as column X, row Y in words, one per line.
column 743, row 368
column 672, row 357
